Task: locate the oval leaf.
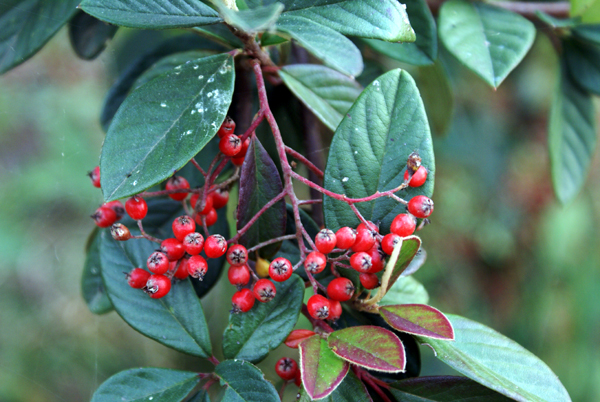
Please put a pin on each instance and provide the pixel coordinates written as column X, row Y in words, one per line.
column 443, row 389
column 297, row 336
column 369, row 346
column 250, row 336
column 418, row 319
column 322, row 371
column 497, row 362
column 406, row 290
column 245, row 383
column 410, row 248
column 146, row 384
column 583, row 63
column 437, row 96
column 370, row 148
column 350, row 390
column 89, row 35
column 164, row 123
column 92, row 287
column 255, row 20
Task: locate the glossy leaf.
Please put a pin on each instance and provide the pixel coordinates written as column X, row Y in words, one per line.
column 164, row 123
column 370, row 147
column 334, row 49
column 582, row 60
column 322, row 371
column 260, row 183
column 410, row 248
column 416, row 263
column 443, row 389
column 327, row 93
column 369, row 346
column 144, row 384
column 89, row 35
column 255, row 20
column 488, row 40
column 155, row 14
column 92, row 287
column 571, row 138
column 26, row 26
column 250, row 336
column 405, row 290
column 590, row 33
column 244, row 382
column 418, row 319
column 220, row 34
column 438, row 99
column 497, row 362
column 350, row 390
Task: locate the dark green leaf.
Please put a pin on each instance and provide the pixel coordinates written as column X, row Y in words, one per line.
column 582, row 60
column 255, row 20
column 92, row 287
column 488, row 40
column 437, row 97
column 201, row 396
column 327, row 93
column 220, row 34
column 164, row 123
column 370, row 148
column 26, row 26
column 406, row 290
column 250, row 336
column 443, row 389
column 350, row 390
column 590, row 33
column 557, row 22
column 89, row 35
column 147, row 384
column 322, row 371
column 156, row 14
column 245, row 383
column 498, row 363
column 418, row 319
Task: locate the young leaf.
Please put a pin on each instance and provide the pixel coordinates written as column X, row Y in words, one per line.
column 582, row 60
column 488, row 40
column 156, row 14
column 410, row 248
column 497, row 362
column 260, row 183
column 26, row 26
column 92, row 287
column 438, row 99
column 89, row 35
column 418, row 319
column 370, row 147
column 146, row 384
column 406, row 290
column 333, row 48
column 250, row 336
column 244, row 382
column 164, row 123
column 327, row 93
column 443, row 389
column 322, row 371
column 350, row 390
column 369, row 346
column 255, row 20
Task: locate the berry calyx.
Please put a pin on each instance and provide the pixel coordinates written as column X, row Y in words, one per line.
column 104, row 217
column 227, row 127
column 237, row 255
column 264, row 290
column 315, row 262
column 420, row 206
column 418, row 178
column 318, row 307
column 325, row 241
column 361, row 261
column 403, row 225
column 120, row 232
column 390, row 241
column 137, row 278
column 335, row 310
column 365, row 238
column 197, row 267
column 345, row 238
column 369, row 281
column 157, row 286
column 215, row 246
column 220, row 198
column 136, row 207
column 177, row 183
column 193, row 243
column 340, row 289
column 173, row 249
column 238, row 275
column 297, row 336
column 182, row 226
column 280, row 269
column 242, row 301
column 95, row 176
column 158, row 262
column 286, row 368
column 230, row 145
column 116, row 206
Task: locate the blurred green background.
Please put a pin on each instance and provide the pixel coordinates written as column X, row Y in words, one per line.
column 501, row 250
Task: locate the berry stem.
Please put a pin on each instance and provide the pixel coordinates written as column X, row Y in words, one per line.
column 213, row 360
column 199, row 167
column 316, row 323
column 146, row 235
column 252, row 221
column 150, row 194
column 258, row 118
column 271, row 241
column 305, row 161
column 308, row 202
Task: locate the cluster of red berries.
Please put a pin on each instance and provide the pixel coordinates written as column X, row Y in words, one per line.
column 231, row 144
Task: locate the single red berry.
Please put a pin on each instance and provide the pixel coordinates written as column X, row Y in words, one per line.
column 104, row 217
column 420, row 206
column 377, row 258
column 315, row 262
column 95, row 176
column 116, row 206
column 340, row 289
column 371, row 226
column 182, row 268
column 208, row 203
column 197, row 267
column 157, row 286
column 345, row 238
column 325, row 241
column 182, row 226
column 369, row 281
column 418, row 178
column 193, row 243
column 264, row 290
column 298, row 379
column 361, row 261
column 335, row 310
column 318, row 307
column 228, row 127
column 230, row 145
column 173, row 248
column 137, row 278
column 242, row 301
column 365, row 238
column 238, row 161
column 220, row 198
column 390, row 241
column 245, row 147
column 286, row 368
column 297, row 336
column 177, row 183
column 136, row 207
column 211, row 217
column 158, row 262
column 280, row 269
column 118, row 231
column 215, row 246
column 237, row 255
column 403, row 225
column 238, row 275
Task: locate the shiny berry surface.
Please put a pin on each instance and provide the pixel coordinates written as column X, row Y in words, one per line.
column 286, row 368
column 215, row 246
column 325, row 241
column 237, row 255
column 280, row 269
column 238, row 275
column 403, row 225
column 177, row 183
column 340, row 289
column 345, row 237
column 157, row 286
column 197, row 266
column 158, row 262
column 318, row 307
column 173, row 248
column 420, row 206
column 242, row 301
column 182, row 226
column 264, row 290
column 315, row 262
column 193, row 243
column 136, row 207
column 137, row 278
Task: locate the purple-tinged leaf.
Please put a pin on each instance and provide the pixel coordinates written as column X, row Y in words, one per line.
column 410, row 248
column 322, row 371
column 369, row 346
column 350, row 390
column 418, row 319
column 443, row 389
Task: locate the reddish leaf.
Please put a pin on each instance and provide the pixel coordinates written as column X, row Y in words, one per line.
column 297, row 336
column 322, row 371
column 369, row 346
column 418, row 319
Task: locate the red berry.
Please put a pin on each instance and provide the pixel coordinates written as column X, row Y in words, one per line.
column 318, row 307
column 211, row 217
column 245, row 147
column 345, row 238
column 315, row 262
column 197, row 267
column 297, row 336
column 230, row 145
column 280, row 269
column 365, row 239
column 220, row 198
column 237, row 255
column 242, row 301
column 208, row 203
column 104, row 217
column 238, row 275
column 182, row 226
column 118, row 231
column 182, row 268
column 403, row 225
column 286, row 368
column 377, row 260
column 389, row 242
column 158, row 262
column 340, row 289
column 371, row 226
column 361, row 261
column 116, row 206
column 325, row 241
column 173, row 248
column 298, row 379
column 177, row 183
column 228, row 127
column 335, row 310
column 264, row 290
column 215, row 246
column 238, row 161
column 369, row 281
column 418, row 178
column 157, row 286
column 420, row 206
column 95, row 176
column 137, row 278
column 136, row 207
column 193, row 243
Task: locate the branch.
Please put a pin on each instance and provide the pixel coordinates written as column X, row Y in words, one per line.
column 318, row 172
column 252, row 221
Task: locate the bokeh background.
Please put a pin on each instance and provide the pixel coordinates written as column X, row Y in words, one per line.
column 501, row 250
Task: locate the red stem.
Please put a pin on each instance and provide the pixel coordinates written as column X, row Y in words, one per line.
column 213, row 360
column 252, row 221
column 275, row 240
column 146, row 235
column 258, row 118
column 305, row 161
column 308, row 202
column 198, row 167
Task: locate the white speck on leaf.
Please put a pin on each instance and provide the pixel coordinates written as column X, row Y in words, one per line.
column 195, row 66
column 345, row 179
column 163, row 104
column 211, row 79
column 200, row 77
column 134, row 183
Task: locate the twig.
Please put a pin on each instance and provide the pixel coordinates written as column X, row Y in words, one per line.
column 275, row 240
column 318, row 172
column 146, row 235
column 253, row 220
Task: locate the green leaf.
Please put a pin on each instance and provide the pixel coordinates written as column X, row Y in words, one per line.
column 322, row 371
column 164, row 123
column 557, row 22
column 220, row 34
column 350, row 390
column 406, row 290
column 410, row 248
column 486, row 39
column 92, row 287
column 245, row 383
column 144, row 384
column 156, row 14
column 582, row 60
column 89, row 35
column 255, row 20
column 571, row 138
column 590, row 33
column 327, row 93
column 334, row 49
column 497, row 362
column 201, row 396
column 437, row 97
column 259, row 184
column 26, row 26
column 369, row 346
column 176, row 320
column 443, row 389
column 418, row 319
column 250, row 336
column 370, row 147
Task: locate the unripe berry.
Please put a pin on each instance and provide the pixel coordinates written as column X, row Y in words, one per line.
column 318, row 307
column 345, row 238
column 365, row 238
column 418, row 178
column 237, row 255
column 390, row 241
column 173, row 248
column 158, row 262
column 116, row 206
column 120, row 232
column 220, row 198
column 280, row 269
column 297, row 336
column 211, row 217
column 104, row 217
column 137, row 278
column 230, row 145
column 340, row 289
column 262, row 267
column 95, row 176
column 325, row 241
column 420, row 206
column 177, row 183
column 264, row 290
column 215, row 246
column 335, row 310
column 182, row 226
column 193, row 243
column 369, row 281
column 136, row 207
column 228, row 127
column 182, row 268
column 403, row 225
column 361, row 261
column 286, row 368
column 197, row 267
column 315, row 262
column 242, row 301
column 157, row 286
column 238, row 275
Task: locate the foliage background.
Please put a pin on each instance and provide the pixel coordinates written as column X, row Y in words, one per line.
column 501, row 250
